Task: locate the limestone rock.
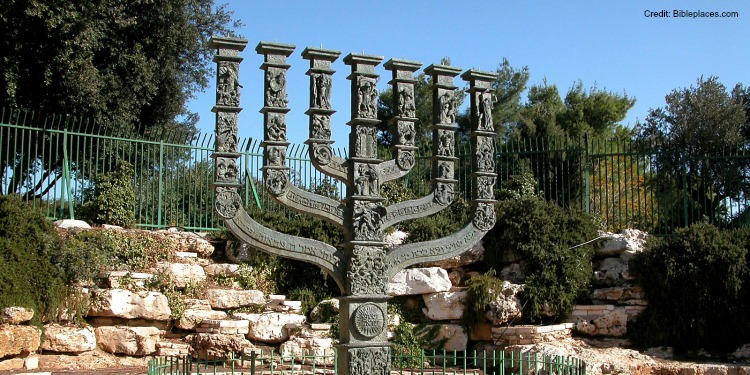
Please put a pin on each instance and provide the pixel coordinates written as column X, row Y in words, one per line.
column 270, row 327
column 209, row 345
column 630, row 242
column 125, row 304
column 444, row 305
column 324, row 309
column 623, row 295
column 189, row 242
column 135, row 341
column 419, row 281
column 224, row 327
column 117, row 279
column 305, row 350
column 453, row 335
column 72, row 224
column 506, row 306
column 16, row 315
column 513, row 273
column 192, row 318
column 16, row 340
column 182, row 274
column 68, row 339
column 469, row 256
column 232, row 299
column 11, row 364
column 395, row 238
column 222, row 269
column 611, row 272
column 611, row 323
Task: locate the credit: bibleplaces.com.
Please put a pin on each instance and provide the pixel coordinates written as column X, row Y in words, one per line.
column 686, row 13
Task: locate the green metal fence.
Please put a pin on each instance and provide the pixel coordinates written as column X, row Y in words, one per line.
column 421, row 362
column 54, row 161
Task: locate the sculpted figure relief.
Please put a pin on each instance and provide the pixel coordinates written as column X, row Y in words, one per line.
column 406, row 133
column 445, row 170
column 367, row 271
column 405, row 159
column 369, row 361
column 486, row 155
column 367, row 181
column 367, row 221
column 367, row 97
column 226, row 132
column 321, row 90
column 276, row 87
column 486, row 103
column 226, row 170
column 228, row 202
column 406, row 102
column 444, row 193
column 228, row 85
column 276, row 155
column 485, row 186
column 277, row 181
column 484, row 217
column 448, row 108
column 366, row 144
column 321, row 126
column 445, row 147
column 276, row 128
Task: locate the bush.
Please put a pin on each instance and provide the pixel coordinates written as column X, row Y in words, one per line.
column 29, row 278
column 698, row 287
column 113, row 200
column 481, row 291
column 544, row 239
column 446, row 222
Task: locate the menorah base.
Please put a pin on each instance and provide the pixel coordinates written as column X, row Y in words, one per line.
column 360, row 360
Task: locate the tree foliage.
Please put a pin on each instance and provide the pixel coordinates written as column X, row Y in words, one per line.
column 697, row 124
column 131, row 66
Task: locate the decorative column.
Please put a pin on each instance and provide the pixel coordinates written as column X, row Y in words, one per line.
column 483, row 144
column 445, row 108
column 363, row 345
column 275, row 171
column 406, row 110
column 227, row 109
column 319, row 142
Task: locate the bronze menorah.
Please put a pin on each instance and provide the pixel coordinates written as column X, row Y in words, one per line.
column 362, row 265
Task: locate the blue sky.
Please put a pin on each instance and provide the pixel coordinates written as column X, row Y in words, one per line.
column 610, row 44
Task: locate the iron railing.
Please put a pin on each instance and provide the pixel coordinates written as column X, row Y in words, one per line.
column 53, row 162
column 431, row 362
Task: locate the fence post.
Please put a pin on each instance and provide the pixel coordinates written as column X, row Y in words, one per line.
column 587, row 174
column 161, row 182
column 66, row 171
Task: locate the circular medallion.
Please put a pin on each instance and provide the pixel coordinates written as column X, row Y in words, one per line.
column 369, row 320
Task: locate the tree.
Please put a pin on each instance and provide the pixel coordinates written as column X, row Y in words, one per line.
column 131, row 66
column 702, row 161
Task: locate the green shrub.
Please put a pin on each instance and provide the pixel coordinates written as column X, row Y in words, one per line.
column 406, row 346
column 480, row 292
column 29, row 278
column 114, row 198
column 446, row 222
column 698, row 287
column 543, row 238
column 86, row 253
column 306, row 296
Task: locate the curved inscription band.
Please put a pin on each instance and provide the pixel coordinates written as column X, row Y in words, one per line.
column 323, row 255
column 429, row 251
column 334, row 167
column 411, row 209
column 303, row 201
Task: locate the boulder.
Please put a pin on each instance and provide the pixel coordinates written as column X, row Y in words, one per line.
column 192, row 318
column 309, row 350
column 15, row 340
column 210, row 345
column 68, row 339
column 621, row 295
column 222, row 269
column 395, row 238
column 419, row 281
column 625, row 245
column 129, row 305
column 506, row 307
column 225, row 327
column 471, row 255
column 232, row 299
column 270, row 327
column 324, row 310
column 611, row 272
column 444, row 305
column 189, row 242
column 121, row 279
column 452, row 336
column 182, row 274
column 134, row 341
column 611, row 323
column 16, row 315
column 72, row 224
